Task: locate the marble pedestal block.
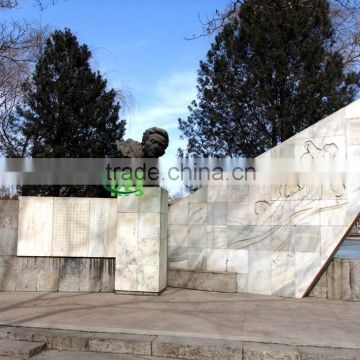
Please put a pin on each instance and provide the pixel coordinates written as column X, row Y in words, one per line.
column 141, row 243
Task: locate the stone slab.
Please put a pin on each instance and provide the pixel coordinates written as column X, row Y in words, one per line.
column 35, row 226
column 48, row 274
column 8, row 241
column 316, row 353
column 8, row 273
column 9, row 214
column 75, row 355
column 20, row 349
column 121, row 344
column 202, row 280
column 258, row 351
column 102, row 228
column 71, row 227
column 47, row 270
column 196, row 348
column 26, row 270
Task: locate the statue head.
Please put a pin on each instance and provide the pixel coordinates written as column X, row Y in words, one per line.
column 154, row 142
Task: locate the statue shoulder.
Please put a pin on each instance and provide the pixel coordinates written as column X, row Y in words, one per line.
column 130, row 148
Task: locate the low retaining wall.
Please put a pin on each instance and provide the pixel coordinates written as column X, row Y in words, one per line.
column 53, row 274
column 341, row 281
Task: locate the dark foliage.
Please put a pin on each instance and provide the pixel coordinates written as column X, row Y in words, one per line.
column 270, row 73
column 69, row 112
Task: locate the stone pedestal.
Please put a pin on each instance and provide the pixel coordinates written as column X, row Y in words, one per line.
column 141, row 243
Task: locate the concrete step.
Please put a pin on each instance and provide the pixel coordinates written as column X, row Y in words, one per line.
column 20, row 349
column 108, row 346
column 76, row 355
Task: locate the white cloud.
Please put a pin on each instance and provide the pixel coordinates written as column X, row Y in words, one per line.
column 171, row 97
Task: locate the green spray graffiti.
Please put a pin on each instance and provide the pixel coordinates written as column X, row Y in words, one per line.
column 123, row 184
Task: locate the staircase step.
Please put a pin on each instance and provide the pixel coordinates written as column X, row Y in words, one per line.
column 70, row 355
column 20, row 349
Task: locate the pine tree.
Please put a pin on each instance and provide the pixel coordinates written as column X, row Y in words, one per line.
column 69, row 112
column 270, row 73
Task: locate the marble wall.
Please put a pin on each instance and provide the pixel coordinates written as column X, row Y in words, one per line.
column 133, row 230
column 276, row 237
column 67, row 227
column 141, row 259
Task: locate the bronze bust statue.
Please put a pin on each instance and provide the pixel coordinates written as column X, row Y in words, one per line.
column 153, row 145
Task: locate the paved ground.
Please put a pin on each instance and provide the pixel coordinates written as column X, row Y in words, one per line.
column 191, row 313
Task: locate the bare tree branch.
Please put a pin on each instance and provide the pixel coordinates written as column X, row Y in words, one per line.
column 345, row 15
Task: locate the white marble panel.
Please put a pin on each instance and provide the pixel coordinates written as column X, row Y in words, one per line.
column 148, row 278
column 331, row 125
column 199, row 196
column 149, row 226
column 151, row 201
column 128, row 204
column 198, row 213
column 283, row 273
column 178, row 235
column 197, row 258
column 353, row 110
column 216, row 236
column 307, row 238
column 353, row 131
column 127, row 226
column 307, row 212
column 179, row 212
column 238, row 213
column 278, row 213
column 197, row 236
column 260, row 272
column 71, row 227
column 148, row 252
column 217, row 213
column 102, row 228
column 238, row 193
column 242, row 283
column 35, row 226
column 216, row 260
column 286, row 150
column 237, row 261
column 127, row 251
column 333, row 212
column 217, row 193
column 126, row 278
column 307, row 266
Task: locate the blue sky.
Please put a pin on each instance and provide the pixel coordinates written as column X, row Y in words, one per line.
column 139, row 46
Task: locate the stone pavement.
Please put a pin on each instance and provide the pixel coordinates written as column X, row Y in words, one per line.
column 177, row 312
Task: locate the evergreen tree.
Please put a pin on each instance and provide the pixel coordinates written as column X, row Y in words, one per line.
column 270, row 73
column 69, row 112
